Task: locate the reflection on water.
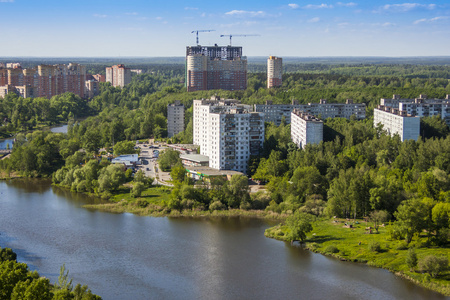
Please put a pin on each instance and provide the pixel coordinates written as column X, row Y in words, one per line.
column 122, row 256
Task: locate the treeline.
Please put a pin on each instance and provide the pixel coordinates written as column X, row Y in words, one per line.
column 18, row 282
column 359, row 170
column 19, row 114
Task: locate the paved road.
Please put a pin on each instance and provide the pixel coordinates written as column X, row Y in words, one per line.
column 149, row 164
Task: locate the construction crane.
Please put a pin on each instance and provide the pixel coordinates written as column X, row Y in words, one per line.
column 231, row 35
column 197, row 31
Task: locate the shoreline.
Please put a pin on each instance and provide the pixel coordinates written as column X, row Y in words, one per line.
column 319, row 243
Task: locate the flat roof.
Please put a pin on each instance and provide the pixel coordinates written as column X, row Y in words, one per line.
column 195, row 157
column 207, row 171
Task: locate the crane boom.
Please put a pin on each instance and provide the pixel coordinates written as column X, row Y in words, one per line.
column 231, row 35
column 197, row 31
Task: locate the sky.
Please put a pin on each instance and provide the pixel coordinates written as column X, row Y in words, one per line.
column 154, row 28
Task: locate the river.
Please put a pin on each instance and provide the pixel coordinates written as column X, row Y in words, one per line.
column 4, row 143
column 123, row 256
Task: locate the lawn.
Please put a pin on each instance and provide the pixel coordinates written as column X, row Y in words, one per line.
column 332, row 237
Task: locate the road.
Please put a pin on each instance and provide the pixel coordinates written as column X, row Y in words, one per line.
column 150, row 165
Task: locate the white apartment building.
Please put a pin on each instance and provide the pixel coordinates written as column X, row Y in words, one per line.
column 227, row 132
column 421, row 106
column 275, row 112
column 305, row 128
column 175, row 118
column 394, row 121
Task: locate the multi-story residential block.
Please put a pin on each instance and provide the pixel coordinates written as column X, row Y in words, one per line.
column 227, row 132
column 276, row 112
column 99, row 77
column 175, row 118
column 118, row 75
column 46, row 80
column 421, row 106
column 92, row 88
column 399, row 122
column 274, row 71
column 305, row 128
column 215, row 67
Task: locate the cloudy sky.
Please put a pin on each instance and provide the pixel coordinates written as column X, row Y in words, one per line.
column 152, row 28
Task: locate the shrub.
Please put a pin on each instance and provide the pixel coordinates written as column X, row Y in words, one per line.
column 433, row 265
column 142, row 203
column 331, row 249
column 402, row 246
column 374, row 246
column 217, row 205
column 411, row 259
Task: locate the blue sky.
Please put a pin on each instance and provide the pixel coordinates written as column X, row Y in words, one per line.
column 302, row 28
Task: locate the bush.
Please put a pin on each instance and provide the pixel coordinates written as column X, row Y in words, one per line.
column 217, row 205
column 402, row 246
column 331, row 249
column 374, row 246
column 411, row 259
column 433, row 265
column 142, row 203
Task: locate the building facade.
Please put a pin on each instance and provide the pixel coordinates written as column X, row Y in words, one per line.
column 227, row 132
column 118, row 75
column 276, row 112
column 274, row 71
column 175, row 118
column 215, row 67
column 305, row 128
column 45, row 80
column 398, row 122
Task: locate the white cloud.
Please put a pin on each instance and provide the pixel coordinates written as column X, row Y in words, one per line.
column 431, row 20
column 191, row 8
column 246, row 13
column 314, row 20
column 313, row 6
column 404, row 7
column 159, row 18
column 293, row 5
column 4, row 1
column 99, row 16
column 349, row 4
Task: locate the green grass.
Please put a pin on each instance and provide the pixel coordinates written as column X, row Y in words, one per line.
column 353, row 245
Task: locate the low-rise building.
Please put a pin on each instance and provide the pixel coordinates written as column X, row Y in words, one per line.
column 207, row 174
column 194, row 160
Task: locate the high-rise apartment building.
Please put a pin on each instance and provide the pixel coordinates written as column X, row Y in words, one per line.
column 305, row 128
column 227, row 132
column 215, row 67
column 118, row 75
column 45, row 81
column 175, row 118
column 274, row 71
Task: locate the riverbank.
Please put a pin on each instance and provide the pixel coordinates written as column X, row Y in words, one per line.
column 334, row 238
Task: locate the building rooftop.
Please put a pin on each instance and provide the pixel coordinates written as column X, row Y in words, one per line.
column 207, row 171
column 195, row 157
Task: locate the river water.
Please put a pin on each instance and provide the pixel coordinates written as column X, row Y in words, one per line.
column 4, row 143
column 123, row 256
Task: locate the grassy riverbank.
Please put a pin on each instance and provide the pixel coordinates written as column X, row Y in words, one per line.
column 333, row 238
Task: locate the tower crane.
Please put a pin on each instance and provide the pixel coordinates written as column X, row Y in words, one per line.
column 231, row 35
column 197, row 31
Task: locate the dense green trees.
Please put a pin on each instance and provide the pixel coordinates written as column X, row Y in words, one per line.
column 18, row 282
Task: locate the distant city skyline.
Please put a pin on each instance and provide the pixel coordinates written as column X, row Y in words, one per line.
column 302, row 28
